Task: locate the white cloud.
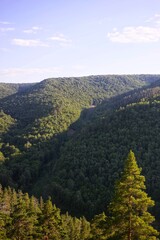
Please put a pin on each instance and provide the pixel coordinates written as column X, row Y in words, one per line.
column 15, row 72
column 5, row 22
column 140, row 34
column 28, row 31
column 155, row 19
column 36, row 28
column 2, row 29
column 61, row 39
column 28, row 43
column 32, row 30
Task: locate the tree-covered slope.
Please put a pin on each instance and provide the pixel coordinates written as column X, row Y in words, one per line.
column 83, row 90
column 7, row 89
column 24, row 217
column 91, row 160
column 40, row 106
column 6, row 122
column 41, row 147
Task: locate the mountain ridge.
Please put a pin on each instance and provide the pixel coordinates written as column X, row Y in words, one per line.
column 56, row 126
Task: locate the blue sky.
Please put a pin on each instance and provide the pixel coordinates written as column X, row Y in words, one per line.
column 62, row 38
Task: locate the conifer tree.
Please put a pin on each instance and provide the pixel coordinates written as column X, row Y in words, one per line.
column 2, row 227
column 75, row 229
column 129, row 208
column 32, row 214
column 51, row 221
column 19, row 221
column 22, row 224
column 98, row 227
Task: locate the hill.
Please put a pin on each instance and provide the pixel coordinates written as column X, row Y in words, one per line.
column 7, row 89
column 92, row 159
column 63, row 140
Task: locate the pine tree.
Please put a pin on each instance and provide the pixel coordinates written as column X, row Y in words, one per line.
column 98, row 227
column 85, row 229
column 51, row 221
column 19, row 221
column 32, row 215
column 2, row 227
column 22, row 223
column 129, row 208
column 75, row 228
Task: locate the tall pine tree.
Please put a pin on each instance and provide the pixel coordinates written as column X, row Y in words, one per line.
column 129, row 209
column 51, row 222
column 99, row 227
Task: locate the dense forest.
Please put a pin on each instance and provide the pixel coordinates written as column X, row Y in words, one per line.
column 68, row 137
column 93, row 156
column 36, row 119
column 24, row 217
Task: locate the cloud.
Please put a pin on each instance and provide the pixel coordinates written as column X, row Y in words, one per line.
column 5, row 28
column 140, row 34
column 61, row 39
column 5, row 22
column 28, row 43
column 15, row 72
column 32, row 30
column 2, row 29
column 155, row 19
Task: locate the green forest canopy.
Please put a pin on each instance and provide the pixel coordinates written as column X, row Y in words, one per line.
column 67, row 137
column 24, row 217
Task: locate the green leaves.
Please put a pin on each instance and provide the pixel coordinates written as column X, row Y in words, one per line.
column 65, row 134
column 24, row 217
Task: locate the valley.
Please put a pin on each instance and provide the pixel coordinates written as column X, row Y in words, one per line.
column 68, row 137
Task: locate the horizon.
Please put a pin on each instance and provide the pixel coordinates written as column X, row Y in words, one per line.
column 85, row 76
column 41, row 40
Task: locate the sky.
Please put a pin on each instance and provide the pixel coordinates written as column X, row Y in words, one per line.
column 40, row 39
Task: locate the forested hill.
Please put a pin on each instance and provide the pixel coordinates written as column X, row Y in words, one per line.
column 7, row 89
column 85, row 90
column 92, row 159
column 45, row 149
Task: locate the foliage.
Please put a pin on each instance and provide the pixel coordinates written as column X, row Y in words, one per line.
column 58, row 138
column 6, row 122
column 23, row 217
column 93, row 156
column 7, row 89
column 129, row 208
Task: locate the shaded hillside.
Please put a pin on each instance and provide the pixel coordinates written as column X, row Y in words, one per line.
column 91, row 160
column 43, row 113
column 49, row 107
column 7, row 89
column 51, row 97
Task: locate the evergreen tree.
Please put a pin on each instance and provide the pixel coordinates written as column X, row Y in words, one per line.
column 21, row 222
column 32, row 214
column 2, row 227
column 85, row 228
column 75, row 229
column 98, row 227
column 129, row 209
column 51, row 221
